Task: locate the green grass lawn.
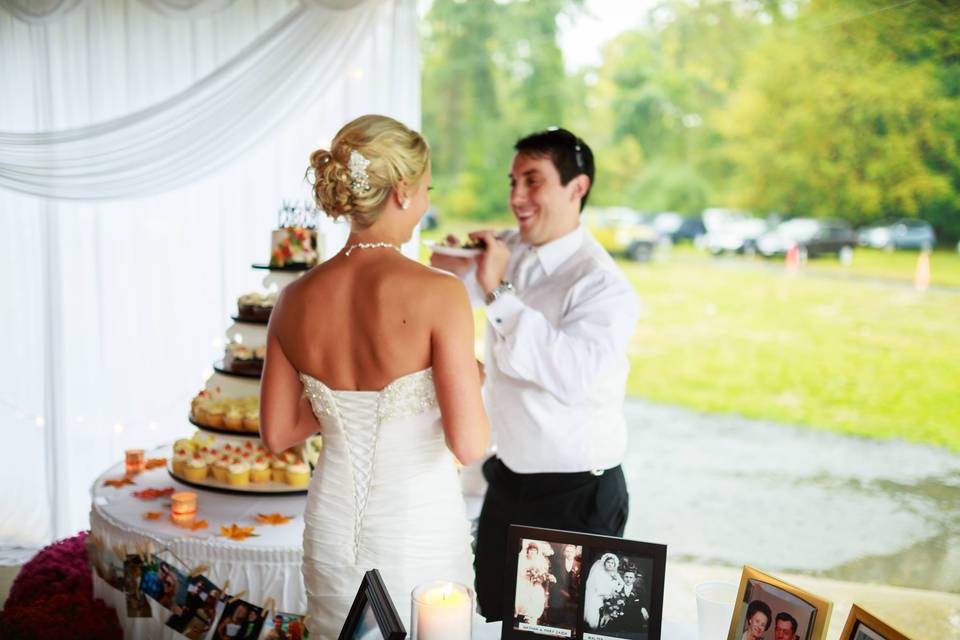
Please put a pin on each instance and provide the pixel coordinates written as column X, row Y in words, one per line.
column 845, row 355
column 842, row 354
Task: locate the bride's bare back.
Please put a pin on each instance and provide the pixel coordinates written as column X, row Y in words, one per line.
column 359, row 322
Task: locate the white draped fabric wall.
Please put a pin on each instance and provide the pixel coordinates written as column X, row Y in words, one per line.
column 145, row 147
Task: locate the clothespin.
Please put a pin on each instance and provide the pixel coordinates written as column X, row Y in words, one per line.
column 268, row 607
column 237, row 596
column 200, row 568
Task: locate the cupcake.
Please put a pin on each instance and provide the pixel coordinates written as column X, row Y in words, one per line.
column 215, row 415
column 298, row 474
column 196, row 468
column 180, row 457
column 251, row 421
column 279, row 470
column 238, row 473
column 260, row 470
column 184, row 443
column 233, row 418
column 220, row 467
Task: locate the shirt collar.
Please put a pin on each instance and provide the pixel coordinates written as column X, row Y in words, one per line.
column 554, row 253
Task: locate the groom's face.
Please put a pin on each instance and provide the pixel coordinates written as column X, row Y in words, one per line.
column 544, row 208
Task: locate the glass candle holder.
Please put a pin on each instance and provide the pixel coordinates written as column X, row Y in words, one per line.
column 441, row 610
column 135, row 461
column 183, row 508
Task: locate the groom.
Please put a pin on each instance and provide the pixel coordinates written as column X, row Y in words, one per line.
column 560, row 315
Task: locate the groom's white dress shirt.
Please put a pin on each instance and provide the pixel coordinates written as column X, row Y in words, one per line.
column 556, row 362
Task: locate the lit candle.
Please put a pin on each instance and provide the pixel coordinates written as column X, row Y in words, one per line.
column 442, row 611
column 135, row 461
column 183, row 508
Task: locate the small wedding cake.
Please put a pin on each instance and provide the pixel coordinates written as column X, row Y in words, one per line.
column 295, row 242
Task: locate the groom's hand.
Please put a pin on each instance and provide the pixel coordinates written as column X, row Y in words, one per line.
column 492, row 263
column 453, row 264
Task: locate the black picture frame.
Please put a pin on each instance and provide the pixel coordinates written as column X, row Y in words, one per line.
column 373, row 596
column 593, row 549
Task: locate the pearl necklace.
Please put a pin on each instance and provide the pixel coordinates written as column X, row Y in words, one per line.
column 370, row 245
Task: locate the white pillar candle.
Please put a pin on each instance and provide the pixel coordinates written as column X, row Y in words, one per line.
column 442, row 611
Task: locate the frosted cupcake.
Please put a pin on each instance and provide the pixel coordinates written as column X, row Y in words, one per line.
column 238, row 473
column 251, row 420
column 215, row 415
column 233, row 419
column 279, row 470
column 260, row 471
column 184, row 443
column 180, row 457
column 196, row 468
column 220, row 468
column 298, row 474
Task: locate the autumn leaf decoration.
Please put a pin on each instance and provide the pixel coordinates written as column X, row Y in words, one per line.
column 273, row 518
column 237, row 533
column 153, row 463
column 199, row 524
column 117, row 483
column 153, row 494
column 152, row 515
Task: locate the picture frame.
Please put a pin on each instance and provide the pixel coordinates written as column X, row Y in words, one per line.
column 373, row 615
column 863, row 625
column 567, row 584
column 764, row 602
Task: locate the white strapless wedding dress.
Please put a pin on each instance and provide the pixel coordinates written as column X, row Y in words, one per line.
column 384, row 495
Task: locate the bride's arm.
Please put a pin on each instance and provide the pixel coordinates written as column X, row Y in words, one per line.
column 455, row 373
column 286, row 417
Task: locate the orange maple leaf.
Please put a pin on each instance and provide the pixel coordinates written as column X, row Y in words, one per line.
column 152, row 463
column 118, row 482
column 273, row 518
column 153, row 494
column 237, row 533
column 152, row 515
column 199, row 524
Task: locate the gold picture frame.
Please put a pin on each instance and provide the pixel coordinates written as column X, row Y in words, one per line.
column 878, row 627
column 780, row 604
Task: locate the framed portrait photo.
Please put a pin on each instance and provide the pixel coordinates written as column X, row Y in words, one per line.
column 563, row 584
column 765, row 603
column 862, row 625
column 373, row 615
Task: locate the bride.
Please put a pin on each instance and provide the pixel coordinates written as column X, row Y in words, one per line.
column 375, row 351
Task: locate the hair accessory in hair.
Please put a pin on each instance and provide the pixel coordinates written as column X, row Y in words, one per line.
column 358, row 171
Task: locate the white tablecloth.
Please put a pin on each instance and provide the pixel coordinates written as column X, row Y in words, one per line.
column 265, row 566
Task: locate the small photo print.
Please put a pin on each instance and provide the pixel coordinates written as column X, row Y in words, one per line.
column 166, row 584
column 285, row 626
column 863, row 632
column 108, row 566
column 549, row 584
column 202, row 605
column 617, row 596
column 367, row 627
column 137, row 604
column 240, row 620
column 770, row 608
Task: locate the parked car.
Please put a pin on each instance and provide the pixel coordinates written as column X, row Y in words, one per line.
column 733, row 232
column 906, row 233
column 622, row 231
column 678, row 227
column 813, row 236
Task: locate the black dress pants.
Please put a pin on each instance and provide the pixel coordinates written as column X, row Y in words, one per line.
column 581, row 502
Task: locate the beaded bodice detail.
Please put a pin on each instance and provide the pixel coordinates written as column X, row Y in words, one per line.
column 358, row 416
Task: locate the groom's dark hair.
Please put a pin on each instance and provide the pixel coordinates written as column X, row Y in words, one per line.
column 569, row 154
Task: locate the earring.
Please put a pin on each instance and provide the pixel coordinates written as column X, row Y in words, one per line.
column 405, row 204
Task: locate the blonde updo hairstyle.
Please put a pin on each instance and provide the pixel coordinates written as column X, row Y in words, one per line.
column 396, row 153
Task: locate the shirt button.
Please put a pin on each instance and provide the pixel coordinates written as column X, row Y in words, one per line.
column 499, row 320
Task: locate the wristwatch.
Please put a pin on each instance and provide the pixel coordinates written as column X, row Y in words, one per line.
column 502, row 289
